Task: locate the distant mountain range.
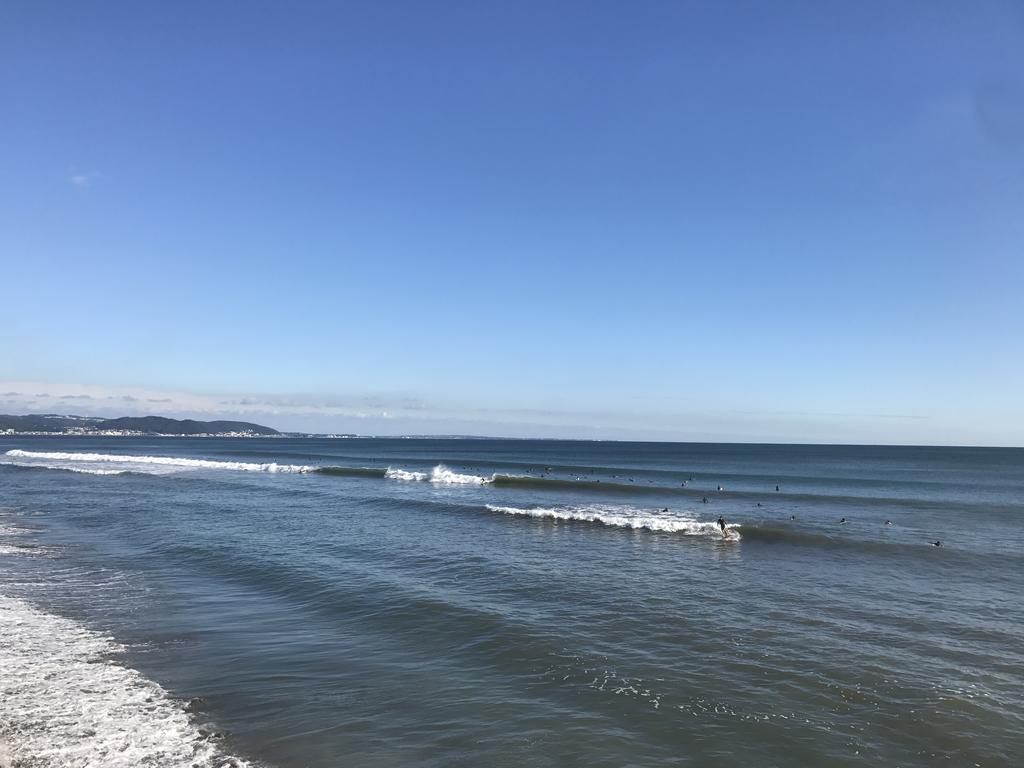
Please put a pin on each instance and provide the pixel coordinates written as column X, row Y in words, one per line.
column 148, row 425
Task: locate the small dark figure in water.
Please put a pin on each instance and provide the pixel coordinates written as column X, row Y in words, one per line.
column 842, row 521
column 665, row 509
column 776, row 489
column 759, row 503
column 937, row 544
column 704, row 500
column 888, row 522
column 721, row 488
column 721, row 524
column 792, row 517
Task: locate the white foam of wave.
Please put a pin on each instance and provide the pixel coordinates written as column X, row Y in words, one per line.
column 626, row 517
column 401, row 474
column 65, row 703
column 440, row 475
column 128, row 463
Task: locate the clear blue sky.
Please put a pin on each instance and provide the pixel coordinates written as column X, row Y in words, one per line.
column 675, row 220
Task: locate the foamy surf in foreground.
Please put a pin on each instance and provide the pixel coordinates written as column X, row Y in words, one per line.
column 65, row 703
column 440, row 475
column 112, row 463
column 625, row 517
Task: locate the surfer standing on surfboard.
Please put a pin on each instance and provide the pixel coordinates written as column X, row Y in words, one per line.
column 721, row 524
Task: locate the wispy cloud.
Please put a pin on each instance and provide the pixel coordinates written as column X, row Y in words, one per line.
column 83, row 179
column 400, row 413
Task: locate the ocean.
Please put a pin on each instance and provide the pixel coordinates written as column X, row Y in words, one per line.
column 425, row 602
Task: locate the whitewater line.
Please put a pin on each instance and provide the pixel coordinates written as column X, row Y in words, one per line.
column 624, row 517
column 162, row 461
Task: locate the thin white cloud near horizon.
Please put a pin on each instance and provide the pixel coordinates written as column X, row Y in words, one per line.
column 403, row 415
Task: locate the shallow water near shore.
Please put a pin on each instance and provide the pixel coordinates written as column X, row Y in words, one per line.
column 388, row 602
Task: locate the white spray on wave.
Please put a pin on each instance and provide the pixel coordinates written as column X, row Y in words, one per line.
column 439, row 475
column 620, row 516
column 118, row 464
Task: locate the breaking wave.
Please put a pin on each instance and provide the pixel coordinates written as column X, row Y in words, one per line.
column 626, row 517
column 440, row 475
column 119, row 463
column 66, row 703
column 401, row 474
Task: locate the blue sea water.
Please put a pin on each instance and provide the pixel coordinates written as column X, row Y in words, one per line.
column 387, row 602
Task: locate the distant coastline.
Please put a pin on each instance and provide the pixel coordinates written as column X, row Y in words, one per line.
column 65, row 425
column 51, row 424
